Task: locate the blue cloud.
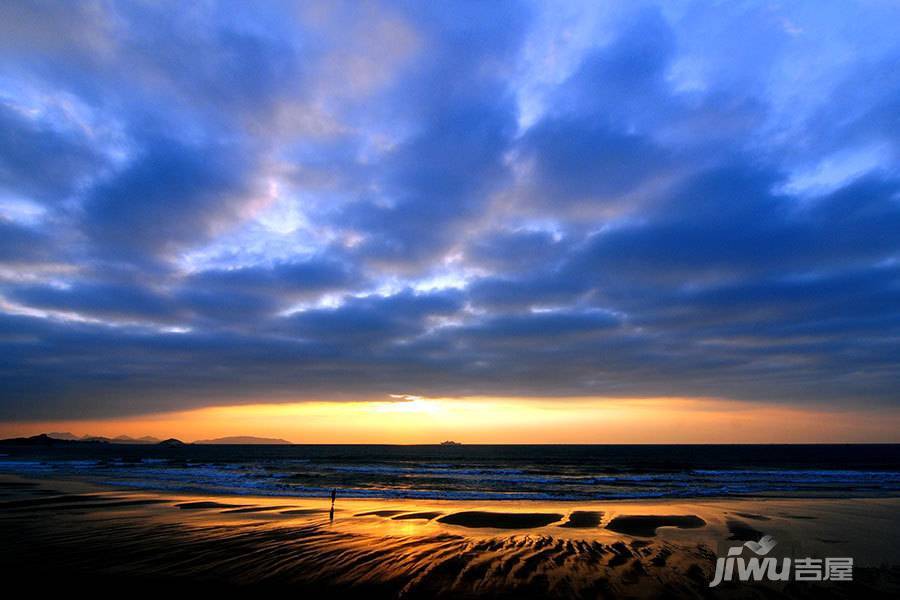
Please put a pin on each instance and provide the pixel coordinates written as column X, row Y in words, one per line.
column 40, row 161
column 229, row 203
column 171, row 195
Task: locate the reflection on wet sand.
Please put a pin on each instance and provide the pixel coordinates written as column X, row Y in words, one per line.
column 426, row 516
column 445, row 549
column 303, row 511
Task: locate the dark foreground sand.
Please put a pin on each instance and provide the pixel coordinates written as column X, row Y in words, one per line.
column 68, row 536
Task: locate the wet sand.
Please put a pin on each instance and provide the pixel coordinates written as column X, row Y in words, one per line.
column 70, row 534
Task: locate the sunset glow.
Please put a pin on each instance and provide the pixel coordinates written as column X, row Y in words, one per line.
column 500, row 420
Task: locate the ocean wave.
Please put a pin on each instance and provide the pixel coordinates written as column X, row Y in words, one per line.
column 443, row 480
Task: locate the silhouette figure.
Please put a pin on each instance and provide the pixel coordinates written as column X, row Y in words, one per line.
column 331, row 512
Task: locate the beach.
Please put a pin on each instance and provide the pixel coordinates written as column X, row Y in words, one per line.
column 56, row 531
column 402, row 299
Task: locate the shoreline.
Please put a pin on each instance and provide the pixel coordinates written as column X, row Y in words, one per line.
column 427, row 548
column 774, row 514
column 470, row 473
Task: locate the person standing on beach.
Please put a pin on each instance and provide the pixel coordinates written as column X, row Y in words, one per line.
column 331, row 512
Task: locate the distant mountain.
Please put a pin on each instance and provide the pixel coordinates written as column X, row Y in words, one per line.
column 245, row 439
column 171, row 442
column 45, row 440
column 122, row 439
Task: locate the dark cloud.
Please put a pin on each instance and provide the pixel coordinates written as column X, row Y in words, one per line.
column 220, row 204
column 623, row 81
column 171, row 196
column 545, row 326
column 100, row 300
column 242, row 296
column 728, row 224
column 435, row 184
column 515, row 251
column 22, row 244
column 581, row 160
column 372, row 321
column 295, row 279
column 536, row 290
column 41, row 161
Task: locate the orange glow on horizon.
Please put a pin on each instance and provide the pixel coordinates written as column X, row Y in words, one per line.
column 414, row 420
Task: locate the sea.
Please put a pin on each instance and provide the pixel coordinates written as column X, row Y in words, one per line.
column 476, row 472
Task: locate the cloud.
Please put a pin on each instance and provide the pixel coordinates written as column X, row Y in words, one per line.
column 42, row 161
column 214, row 206
column 22, row 244
column 372, row 321
column 170, row 197
column 97, row 300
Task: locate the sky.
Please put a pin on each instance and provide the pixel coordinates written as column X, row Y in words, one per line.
column 391, row 221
